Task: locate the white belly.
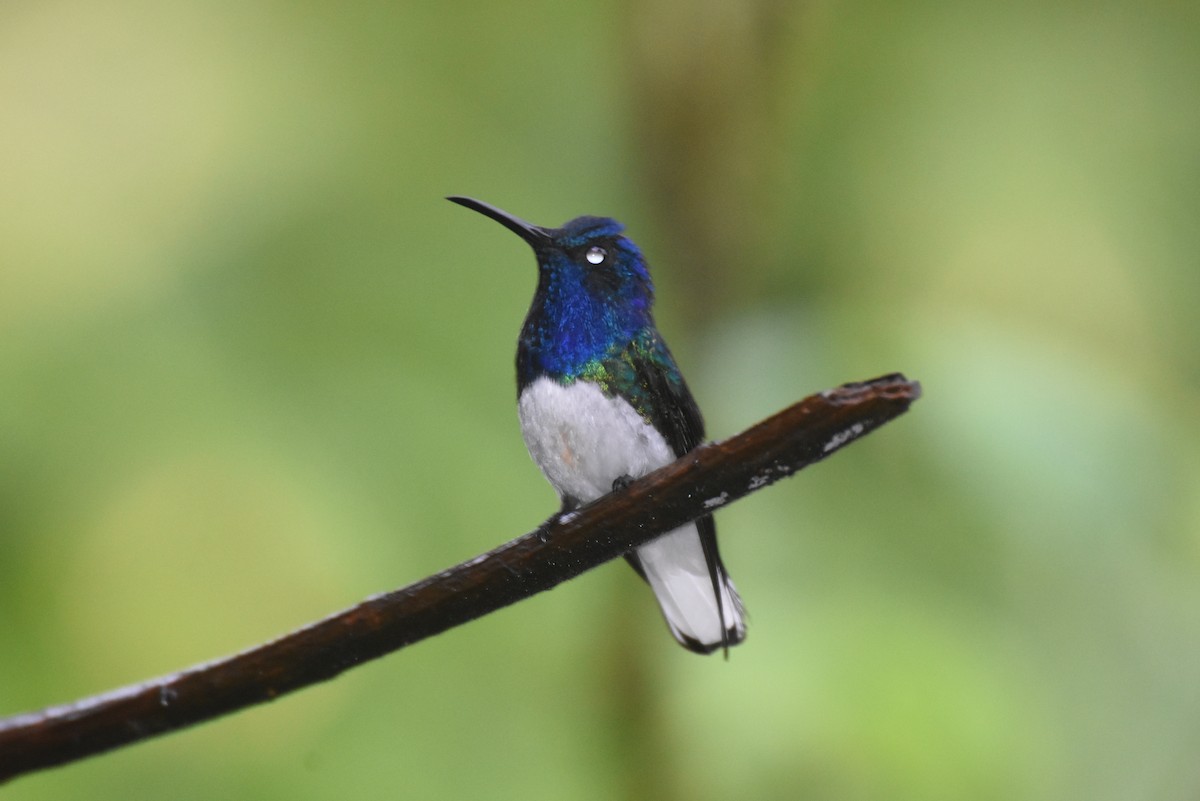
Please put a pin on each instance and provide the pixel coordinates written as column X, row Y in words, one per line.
column 583, row 440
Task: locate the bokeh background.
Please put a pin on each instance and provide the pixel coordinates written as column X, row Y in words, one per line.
column 253, row 369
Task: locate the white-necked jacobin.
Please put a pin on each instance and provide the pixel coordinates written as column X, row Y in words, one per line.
column 601, row 402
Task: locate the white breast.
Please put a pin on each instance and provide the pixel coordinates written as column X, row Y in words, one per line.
column 583, row 440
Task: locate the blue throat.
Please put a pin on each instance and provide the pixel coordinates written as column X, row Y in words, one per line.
column 572, row 325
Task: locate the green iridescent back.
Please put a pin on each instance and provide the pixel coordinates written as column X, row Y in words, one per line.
column 644, row 373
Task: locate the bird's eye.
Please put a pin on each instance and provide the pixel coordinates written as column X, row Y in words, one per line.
column 596, row 255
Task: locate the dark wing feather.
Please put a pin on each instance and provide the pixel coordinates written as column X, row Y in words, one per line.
column 660, row 394
column 646, row 374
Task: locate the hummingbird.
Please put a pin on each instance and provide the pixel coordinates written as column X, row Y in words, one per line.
column 601, row 402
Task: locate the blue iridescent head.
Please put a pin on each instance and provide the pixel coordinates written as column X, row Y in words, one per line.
column 594, row 291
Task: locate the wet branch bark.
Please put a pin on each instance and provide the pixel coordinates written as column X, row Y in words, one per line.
column 564, row 546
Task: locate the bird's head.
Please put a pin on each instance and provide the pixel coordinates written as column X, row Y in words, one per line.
column 586, row 261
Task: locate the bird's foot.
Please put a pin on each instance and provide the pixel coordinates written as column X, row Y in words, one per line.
column 566, row 512
column 621, row 482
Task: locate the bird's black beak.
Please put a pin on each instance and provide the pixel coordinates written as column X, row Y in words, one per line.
column 535, row 235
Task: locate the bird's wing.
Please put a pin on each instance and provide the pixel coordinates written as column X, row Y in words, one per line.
column 658, row 392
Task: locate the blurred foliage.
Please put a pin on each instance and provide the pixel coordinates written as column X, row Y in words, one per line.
column 253, row 369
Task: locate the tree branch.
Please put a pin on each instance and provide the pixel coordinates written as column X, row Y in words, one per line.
column 709, row 477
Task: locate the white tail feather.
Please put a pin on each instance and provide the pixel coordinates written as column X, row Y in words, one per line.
column 677, row 570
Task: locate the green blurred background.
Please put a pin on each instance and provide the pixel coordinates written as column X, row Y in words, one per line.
column 253, row 368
